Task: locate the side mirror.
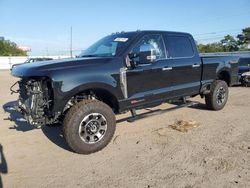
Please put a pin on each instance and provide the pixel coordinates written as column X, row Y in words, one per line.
column 147, row 54
column 131, row 60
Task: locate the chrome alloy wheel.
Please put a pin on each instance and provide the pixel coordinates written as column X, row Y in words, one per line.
column 220, row 95
column 93, row 128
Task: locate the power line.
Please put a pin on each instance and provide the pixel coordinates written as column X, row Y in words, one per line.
column 211, row 39
column 216, row 36
column 217, row 32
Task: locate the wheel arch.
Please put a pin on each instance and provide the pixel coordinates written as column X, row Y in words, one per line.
column 225, row 76
column 105, row 96
column 102, row 92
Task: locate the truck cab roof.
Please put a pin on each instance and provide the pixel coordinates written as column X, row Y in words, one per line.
column 152, row 32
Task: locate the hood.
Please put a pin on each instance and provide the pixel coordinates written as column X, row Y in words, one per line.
column 44, row 68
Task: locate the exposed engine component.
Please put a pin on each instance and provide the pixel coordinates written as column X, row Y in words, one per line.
column 245, row 79
column 35, row 101
column 78, row 98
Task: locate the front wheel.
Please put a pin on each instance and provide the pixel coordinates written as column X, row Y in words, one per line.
column 89, row 126
column 217, row 98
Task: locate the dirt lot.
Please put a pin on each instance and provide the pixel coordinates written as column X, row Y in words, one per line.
column 146, row 153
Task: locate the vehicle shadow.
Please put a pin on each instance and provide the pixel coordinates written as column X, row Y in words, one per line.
column 241, row 85
column 3, row 165
column 199, row 106
column 129, row 119
column 15, row 117
column 54, row 133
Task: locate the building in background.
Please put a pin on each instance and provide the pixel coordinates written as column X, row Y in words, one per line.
column 25, row 48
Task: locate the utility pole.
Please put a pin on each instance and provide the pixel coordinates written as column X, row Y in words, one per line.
column 47, row 51
column 71, row 42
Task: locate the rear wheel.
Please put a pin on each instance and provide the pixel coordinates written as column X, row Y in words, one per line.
column 89, row 126
column 217, row 98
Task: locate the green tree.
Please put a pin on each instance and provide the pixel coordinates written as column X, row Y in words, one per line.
column 8, row 48
column 229, row 44
column 209, row 48
column 244, row 39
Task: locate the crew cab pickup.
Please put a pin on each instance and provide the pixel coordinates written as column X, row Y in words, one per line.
column 121, row 72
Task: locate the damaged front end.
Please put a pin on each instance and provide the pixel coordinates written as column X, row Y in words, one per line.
column 245, row 79
column 35, row 100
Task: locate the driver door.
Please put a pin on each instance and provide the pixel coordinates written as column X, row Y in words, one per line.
column 151, row 81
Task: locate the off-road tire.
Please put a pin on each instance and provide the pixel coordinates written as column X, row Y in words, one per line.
column 211, row 99
column 72, row 122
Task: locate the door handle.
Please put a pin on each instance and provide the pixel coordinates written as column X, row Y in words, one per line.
column 195, row 65
column 167, row 68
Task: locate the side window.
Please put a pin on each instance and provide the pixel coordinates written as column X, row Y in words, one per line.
column 156, row 41
column 179, row 46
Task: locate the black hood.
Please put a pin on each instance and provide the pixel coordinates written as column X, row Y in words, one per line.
column 43, row 68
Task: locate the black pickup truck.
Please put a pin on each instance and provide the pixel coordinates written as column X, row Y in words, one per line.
column 121, row 72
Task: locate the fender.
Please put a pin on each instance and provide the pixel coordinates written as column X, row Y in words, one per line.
column 228, row 71
column 223, row 67
column 61, row 97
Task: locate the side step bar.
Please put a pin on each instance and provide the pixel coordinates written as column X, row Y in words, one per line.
column 135, row 117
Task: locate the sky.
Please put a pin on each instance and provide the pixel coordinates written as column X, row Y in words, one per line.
column 44, row 25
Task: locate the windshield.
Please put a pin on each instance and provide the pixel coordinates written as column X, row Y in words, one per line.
column 108, row 46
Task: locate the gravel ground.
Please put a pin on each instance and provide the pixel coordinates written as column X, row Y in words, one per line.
column 146, row 153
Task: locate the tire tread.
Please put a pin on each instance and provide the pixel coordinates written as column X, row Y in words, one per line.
column 70, row 118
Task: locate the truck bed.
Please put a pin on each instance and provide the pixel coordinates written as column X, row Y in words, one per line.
column 212, row 63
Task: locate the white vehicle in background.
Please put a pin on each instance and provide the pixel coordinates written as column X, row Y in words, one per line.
column 32, row 60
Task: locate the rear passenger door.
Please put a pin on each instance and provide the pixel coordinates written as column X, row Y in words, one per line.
column 186, row 64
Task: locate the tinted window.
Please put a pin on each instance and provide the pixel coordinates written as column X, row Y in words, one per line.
column 179, row 46
column 155, row 41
